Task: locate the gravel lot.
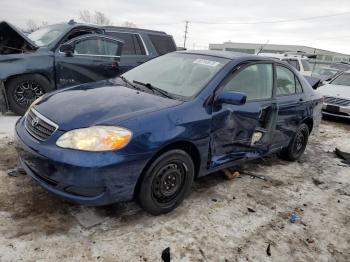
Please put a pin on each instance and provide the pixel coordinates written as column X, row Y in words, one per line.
column 222, row 220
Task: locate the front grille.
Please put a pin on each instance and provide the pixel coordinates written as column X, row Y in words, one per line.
column 39, row 126
column 336, row 101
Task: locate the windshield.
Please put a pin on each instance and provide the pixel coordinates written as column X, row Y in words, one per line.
column 306, row 65
column 342, row 80
column 325, row 71
column 180, row 74
column 47, row 35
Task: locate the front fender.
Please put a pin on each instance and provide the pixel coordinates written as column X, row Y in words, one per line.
column 27, row 63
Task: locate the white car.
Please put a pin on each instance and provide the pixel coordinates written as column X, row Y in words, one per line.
column 298, row 61
column 337, row 96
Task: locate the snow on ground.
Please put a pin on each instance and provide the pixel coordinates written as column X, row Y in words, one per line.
column 213, row 224
column 7, row 123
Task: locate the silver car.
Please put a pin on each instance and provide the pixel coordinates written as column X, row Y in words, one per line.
column 337, row 96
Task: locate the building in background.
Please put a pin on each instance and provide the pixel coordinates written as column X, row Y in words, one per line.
column 251, row 48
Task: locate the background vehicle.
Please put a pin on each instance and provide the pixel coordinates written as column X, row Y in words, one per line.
column 298, row 61
column 325, row 73
column 63, row 55
column 337, row 96
column 170, row 120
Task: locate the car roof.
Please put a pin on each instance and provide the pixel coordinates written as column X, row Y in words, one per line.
column 133, row 29
column 73, row 24
column 119, row 28
column 224, row 54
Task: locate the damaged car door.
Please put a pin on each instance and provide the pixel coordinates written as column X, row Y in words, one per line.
column 86, row 59
column 244, row 130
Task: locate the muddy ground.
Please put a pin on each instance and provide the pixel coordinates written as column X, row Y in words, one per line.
column 222, row 220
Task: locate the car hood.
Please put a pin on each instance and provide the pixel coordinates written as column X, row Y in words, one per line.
column 13, row 41
column 335, row 90
column 101, row 103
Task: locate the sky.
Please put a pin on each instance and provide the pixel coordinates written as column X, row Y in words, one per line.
column 209, row 21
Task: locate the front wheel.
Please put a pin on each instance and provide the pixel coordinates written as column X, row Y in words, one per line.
column 166, row 182
column 298, row 144
column 23, row 90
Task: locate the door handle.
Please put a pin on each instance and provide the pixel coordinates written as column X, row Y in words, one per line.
column 301, row 100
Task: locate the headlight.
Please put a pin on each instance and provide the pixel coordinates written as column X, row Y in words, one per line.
column 96, row 138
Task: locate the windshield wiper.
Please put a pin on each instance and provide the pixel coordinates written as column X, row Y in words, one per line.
column 153, row 88
column 126, row 81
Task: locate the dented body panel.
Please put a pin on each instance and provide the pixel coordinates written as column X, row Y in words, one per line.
column 222, row 135
column 19, row 55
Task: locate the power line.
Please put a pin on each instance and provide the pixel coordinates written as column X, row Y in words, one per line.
column 186, row 32
column 272, row 21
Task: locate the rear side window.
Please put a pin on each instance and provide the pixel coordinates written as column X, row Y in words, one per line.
column 293, row 63
column 163, row 43
column 132, row 43
column 256, row 81
column 287, row 83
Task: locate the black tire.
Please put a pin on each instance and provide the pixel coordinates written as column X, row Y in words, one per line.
column 23, row 90
column 297, row 145
column 166, row 182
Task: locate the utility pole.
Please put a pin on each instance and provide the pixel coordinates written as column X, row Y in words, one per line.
column 186, row 32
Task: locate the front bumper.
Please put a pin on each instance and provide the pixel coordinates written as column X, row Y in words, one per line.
column 89, row 178
column 336, row 110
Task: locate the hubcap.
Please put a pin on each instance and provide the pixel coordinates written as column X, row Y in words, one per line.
column 27, row 91
column 168, row 182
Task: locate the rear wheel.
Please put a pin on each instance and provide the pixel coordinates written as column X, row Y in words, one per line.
column 166, row 182
column 298, row 144
column 23, row 90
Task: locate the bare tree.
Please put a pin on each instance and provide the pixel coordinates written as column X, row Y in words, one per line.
column 101, row 19
column 128, row 24
column 31, row 26
column 44, row 23
column 96, row 18
column 85, row 16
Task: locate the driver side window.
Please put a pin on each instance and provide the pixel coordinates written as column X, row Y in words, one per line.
column 96, row 46
column 256, row 81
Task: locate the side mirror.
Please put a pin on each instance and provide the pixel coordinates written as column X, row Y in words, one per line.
column 68, row 49
column 232, row 98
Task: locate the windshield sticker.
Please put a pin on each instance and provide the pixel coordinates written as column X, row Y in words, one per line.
column 206, row 62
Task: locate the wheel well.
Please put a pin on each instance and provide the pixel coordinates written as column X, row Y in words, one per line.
column 10, row 78
column 29, row 74
column 310, row 123
column 186, row 146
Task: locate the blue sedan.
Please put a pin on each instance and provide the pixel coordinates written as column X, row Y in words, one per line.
column 148, row 134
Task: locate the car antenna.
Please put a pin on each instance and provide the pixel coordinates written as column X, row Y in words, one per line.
column 262, row 47
column 72, row 22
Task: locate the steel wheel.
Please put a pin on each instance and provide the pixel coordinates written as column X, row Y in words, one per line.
column 298, row 144
column 168, row 182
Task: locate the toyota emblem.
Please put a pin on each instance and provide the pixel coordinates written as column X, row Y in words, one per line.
column 35, row 121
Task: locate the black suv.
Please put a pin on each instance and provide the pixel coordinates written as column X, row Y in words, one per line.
column 67, row 54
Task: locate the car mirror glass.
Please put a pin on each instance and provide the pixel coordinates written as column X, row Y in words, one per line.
column 233, row 98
